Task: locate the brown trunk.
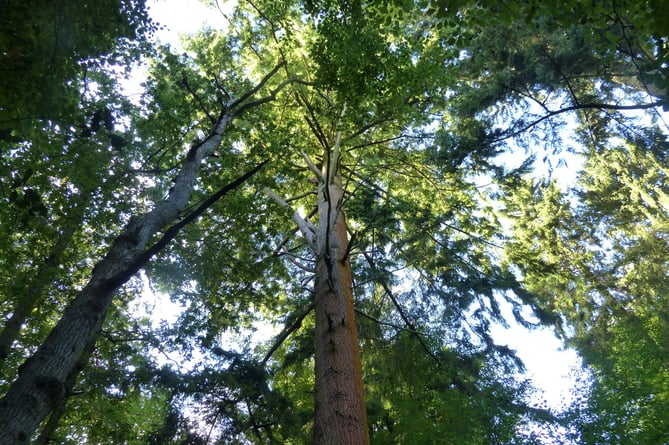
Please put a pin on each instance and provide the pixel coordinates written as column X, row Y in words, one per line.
column 41, row 382
column 340, row 417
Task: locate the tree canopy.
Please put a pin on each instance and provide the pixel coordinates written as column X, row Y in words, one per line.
column 357, row 178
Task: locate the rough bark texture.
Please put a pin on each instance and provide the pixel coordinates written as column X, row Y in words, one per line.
column 340, row 417
column 42, row 380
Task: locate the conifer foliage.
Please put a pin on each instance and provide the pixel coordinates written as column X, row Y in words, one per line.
column 339, row 199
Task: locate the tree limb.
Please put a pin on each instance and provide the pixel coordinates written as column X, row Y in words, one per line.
column 312, row 166
column 397, row 305
column 385, row 323
column 306, row 227
column 172, row 232
column 584, row 106
column 286, row 332
column 255, row 89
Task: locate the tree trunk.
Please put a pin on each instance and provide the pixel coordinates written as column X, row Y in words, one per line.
column 33, row 294
column 41, row 382
column 340, row 417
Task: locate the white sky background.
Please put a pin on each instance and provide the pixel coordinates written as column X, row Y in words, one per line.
column 548, row 365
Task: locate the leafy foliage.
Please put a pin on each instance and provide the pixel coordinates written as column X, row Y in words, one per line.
column 598, row 267
column 444, row 234
column 47, row 52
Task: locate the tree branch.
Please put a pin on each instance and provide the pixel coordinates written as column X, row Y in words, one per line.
column 286, row 332
column 260, row 84
column 293, row 259
column 312, row 166
column 172, row 232
column 184, row 82
column 592, row 105
column 397, row 305
column 385, row 323
column 306, row 227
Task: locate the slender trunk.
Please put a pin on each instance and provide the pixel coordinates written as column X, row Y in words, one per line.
column 340, row 417
column 34, row 293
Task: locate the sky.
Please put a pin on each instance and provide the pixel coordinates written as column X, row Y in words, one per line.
column 549, row 366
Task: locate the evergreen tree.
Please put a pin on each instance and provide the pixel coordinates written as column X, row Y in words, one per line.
column 357, row 138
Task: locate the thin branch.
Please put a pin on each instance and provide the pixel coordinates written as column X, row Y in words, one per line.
column 397, row 305
column 363, row 129
column 336, row 152
column 385, row 323
column 382, row 141
column 172, row 232
column 260, row 84
column 293, row 259
column 184, row 82
column 593, row 105
column 300, row 196
column 271, row 96
column 306, row 227
column 286, row 332
column 312, row 166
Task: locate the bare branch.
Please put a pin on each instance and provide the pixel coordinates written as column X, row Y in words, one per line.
column 336, row 152
column 584, row 106
column 301, row 195
column 385, row 323
column 184, row 82
column 271, row 96
column 312, row 121
column 312, row 166
column 260, row 84
column 293, row 259
column 306, row 227
column 286, row 332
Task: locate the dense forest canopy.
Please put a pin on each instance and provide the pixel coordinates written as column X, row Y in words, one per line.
column 363, row 177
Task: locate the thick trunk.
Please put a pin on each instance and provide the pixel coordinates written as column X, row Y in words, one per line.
column 340, row 417
column 40, row 385
column 41, row 382
column 50, row 427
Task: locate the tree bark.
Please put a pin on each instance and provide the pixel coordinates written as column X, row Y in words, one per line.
column 340, row 417
column 42, row 379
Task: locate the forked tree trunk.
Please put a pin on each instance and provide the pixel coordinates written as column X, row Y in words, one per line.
column 340, row 417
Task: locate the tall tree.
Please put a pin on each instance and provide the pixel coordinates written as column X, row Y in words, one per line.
column 43, row 380
column 383, row 171
column 59, row 130
column 340, row 415
column 398, row 240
